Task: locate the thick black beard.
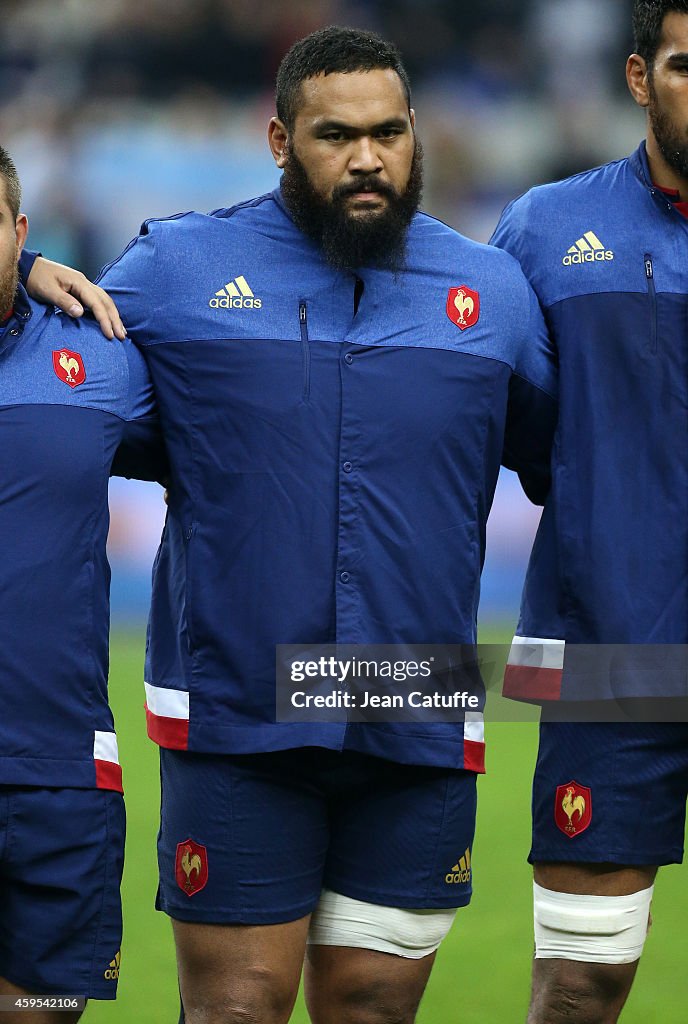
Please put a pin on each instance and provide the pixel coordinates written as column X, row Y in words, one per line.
column 9, row 282
column 672, row 141
column 373, row 239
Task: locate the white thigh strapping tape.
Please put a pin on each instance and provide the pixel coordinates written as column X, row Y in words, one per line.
column 594, row 929
column 341, row 921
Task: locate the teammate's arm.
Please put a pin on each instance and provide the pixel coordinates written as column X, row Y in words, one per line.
column 71, row 291
column 141, row 454
column 530, row 426
column 532, row 408
column 125, row 292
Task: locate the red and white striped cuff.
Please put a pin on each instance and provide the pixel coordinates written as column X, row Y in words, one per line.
column 167, row 716
column 106, row 760
column 534, row 668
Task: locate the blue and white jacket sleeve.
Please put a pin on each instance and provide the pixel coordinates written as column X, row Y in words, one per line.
column 132, row 280
column 141, row 453
column 533, row 409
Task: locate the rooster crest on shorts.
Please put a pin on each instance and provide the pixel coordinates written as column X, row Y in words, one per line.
column 191, row 866
column 573, row 808
column 463, row 307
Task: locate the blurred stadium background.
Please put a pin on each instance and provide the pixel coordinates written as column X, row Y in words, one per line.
column 120, row 110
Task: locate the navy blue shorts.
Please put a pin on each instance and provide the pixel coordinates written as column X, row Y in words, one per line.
column 254, row 838
column 610, row 793
column 61, row 858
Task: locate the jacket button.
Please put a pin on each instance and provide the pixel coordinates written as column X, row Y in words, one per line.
column 14, row 332
column 348, row 358
column 347, row 467
column 345, row 577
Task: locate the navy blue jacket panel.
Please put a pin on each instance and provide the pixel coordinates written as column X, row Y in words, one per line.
column 70, row 403
column 606, row 252
column 332, row 463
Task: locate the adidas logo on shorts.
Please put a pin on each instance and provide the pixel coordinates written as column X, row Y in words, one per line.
column 461, row 872
column 111, row 973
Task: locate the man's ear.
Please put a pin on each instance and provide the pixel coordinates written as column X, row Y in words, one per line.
column 637, row 77
column 278, row 139
column 21, row 229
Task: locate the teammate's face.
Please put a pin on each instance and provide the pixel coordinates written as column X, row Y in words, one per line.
column 12, row 237
column 663, row 90
column 353, row 133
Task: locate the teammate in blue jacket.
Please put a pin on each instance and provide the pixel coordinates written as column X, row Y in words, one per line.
column 606, row 251
column 339, row 378
column 73, row 410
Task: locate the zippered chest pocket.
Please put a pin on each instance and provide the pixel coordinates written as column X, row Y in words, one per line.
column 652, row 299
column 305, row 349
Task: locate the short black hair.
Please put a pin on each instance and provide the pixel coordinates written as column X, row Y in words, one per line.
column 328, row 51
column 648, row 20
column 12, row 187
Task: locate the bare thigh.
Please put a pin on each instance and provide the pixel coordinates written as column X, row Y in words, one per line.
column 241, row 973
column 347, row 985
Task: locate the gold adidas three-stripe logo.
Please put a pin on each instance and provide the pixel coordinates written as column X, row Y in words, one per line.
column 587, row 249
column 586, row 243
column 111, row 973
column 236, row 294
column 239, row 286
column 461, row 872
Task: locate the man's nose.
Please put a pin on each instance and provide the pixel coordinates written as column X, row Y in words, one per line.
column 365, row 157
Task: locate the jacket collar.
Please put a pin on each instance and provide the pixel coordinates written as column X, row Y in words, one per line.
column 279, row 199
column 641, row 169
column 22, row 309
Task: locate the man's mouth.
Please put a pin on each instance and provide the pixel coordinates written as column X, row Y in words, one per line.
column 366, row 196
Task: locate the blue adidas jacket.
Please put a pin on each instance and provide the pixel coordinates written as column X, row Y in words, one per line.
column 606, row 253
column 332, row 464
column 73, row 410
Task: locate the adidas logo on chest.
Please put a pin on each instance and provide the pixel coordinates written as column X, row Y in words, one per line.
column 587, row 249
column 236, row 294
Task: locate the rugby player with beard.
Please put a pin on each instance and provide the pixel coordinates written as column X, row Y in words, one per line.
column 607, row 254
column 339, row 377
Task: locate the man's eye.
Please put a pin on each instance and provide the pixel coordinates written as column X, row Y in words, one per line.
column 333, row 136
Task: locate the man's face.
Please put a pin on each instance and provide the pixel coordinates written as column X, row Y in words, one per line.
column 354, row 126
column 667, row 86
column 352, row 167
column 12, row 236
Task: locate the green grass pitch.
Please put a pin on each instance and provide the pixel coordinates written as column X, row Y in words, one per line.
column 482, row 970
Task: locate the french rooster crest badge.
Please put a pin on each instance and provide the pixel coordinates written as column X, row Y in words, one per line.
column 463, row 307
column 191, row 867
column 572, row 808
column 69, row 367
